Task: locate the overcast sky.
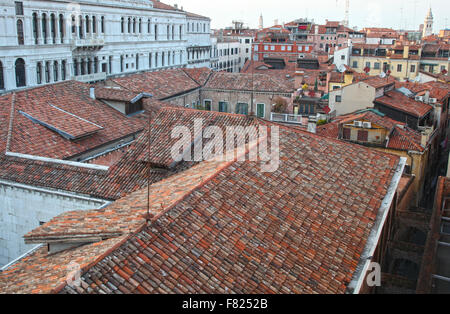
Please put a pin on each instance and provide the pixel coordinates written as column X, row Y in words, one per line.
column 386, row 13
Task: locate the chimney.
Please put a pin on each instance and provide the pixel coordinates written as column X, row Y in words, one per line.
column 316, row 29
column 312, row 125
column 426, row 98
column 175, row 6
column 92, row 92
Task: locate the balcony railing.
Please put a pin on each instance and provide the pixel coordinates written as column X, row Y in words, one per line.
column 94, row 77
column 88, row 42
column 286, row 118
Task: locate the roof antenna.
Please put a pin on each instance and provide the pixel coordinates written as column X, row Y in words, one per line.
column 149, row 215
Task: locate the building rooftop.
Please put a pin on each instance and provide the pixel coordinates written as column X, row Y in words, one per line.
column 243, row 81
column 229, row 228
column 399, row 101
column 400, row 136
column 60, row 121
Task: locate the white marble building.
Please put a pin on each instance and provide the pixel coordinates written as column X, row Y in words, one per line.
column 47, row 41
column 198, row 41
column 227, row 55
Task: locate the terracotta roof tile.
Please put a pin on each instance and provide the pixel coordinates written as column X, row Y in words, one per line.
column 240, row 81
column 399, row 101
column 301, row 229
column 67, row 107
column 160, row 84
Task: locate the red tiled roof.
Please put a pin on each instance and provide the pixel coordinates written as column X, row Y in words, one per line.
column 377, row 82
column 300, row 229
column 401, row 137
column 118, row 94
column 199, row 75
column 243, row 81
column 399, row 101
column 161, row 84
column 371, row 116
column 128, row 173
column 77, row 114
column 65, row 123
column 404, row 138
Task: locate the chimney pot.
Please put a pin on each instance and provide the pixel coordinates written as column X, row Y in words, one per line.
column 92, row 92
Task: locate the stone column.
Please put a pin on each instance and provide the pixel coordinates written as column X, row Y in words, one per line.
column 49, row 32
column 57, row 30
column 40, row 34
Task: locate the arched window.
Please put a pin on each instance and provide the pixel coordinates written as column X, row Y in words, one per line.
column 74, row 25
column 53, row 28
column 75, row 67
column 39, row 73
column 140, row 26
column 35, row 28
column 129, row 25
column 168, row 32
column 103, row 24
column 204, row 28
column 89, row 66
column 121, row 63
column 94, row 25
column 20, row 73
column 47, row 72
column 149, row 26
column 168, row 58
column 2, row 81
column 181, row 32
column 88, row 23
column 80, row 27
column 156, row 32
column 122, row 25
column 156, row 59
column 20, row 38
column 61, row 27
column 44, row 27
column 173, row 32
column 96, row 65
column 137, row 61
column 83, row 67
column 150, row 60
column 55, row 71
column 163, row 61
column 63, row 70
column 134, row 25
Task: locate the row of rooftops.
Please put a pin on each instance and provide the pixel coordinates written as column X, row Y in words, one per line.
column 305, row 228
column 224, row 226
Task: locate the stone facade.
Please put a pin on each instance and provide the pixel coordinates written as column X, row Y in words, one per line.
column 23, row 208
column 51, row 41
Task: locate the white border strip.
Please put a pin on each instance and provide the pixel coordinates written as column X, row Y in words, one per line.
column 58, row 161
column 3, row 268
column 55, row 192
column 374, row 237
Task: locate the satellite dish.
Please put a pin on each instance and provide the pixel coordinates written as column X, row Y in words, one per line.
column 382, row 75
column 342, row 68
column 417, row 79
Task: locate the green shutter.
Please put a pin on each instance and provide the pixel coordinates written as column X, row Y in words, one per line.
column 260, row 112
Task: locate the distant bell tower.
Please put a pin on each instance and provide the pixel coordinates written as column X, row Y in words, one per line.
column 428, row 25
column 261, row 22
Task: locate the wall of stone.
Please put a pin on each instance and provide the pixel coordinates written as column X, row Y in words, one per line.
column 23, row 208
